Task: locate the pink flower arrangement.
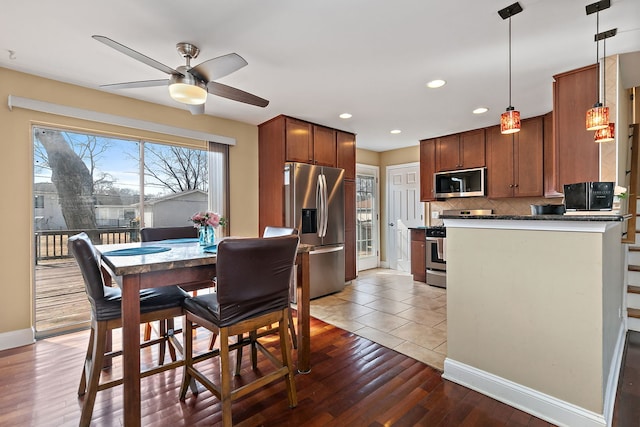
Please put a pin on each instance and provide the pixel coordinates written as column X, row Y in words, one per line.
column 201, row 219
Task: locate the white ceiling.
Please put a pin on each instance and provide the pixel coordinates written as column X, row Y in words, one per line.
column 316, row 59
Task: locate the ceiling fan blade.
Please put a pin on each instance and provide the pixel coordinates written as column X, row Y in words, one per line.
column 232, row 93
column 133, row 85
column 136, row 55
column 196, row 109
column 215, row 68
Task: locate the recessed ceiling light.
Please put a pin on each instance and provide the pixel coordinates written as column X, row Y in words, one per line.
column 396, row 131
column 433, row 84
column 345, row 116
column 480, row 110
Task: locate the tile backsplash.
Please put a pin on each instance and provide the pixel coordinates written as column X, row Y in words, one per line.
column 515, row 206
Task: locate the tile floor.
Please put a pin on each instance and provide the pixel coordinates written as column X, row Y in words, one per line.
column 388, row 307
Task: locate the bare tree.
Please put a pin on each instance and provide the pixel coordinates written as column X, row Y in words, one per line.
column 72, row 178
column 177, row 169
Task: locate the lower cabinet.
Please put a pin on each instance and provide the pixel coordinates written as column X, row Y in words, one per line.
column 418, row 255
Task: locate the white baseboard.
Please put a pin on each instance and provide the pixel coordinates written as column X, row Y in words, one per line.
column 18, row 338
column 538, row 404
column 614, row 375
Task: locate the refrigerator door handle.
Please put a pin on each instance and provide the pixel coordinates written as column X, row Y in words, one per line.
column 326, row 250
column 319, row 220
column 325, row 205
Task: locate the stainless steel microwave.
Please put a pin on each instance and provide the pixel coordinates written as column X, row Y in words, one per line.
column 460, row 183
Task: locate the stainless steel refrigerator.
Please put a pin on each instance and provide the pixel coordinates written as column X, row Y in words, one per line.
column 314, row 205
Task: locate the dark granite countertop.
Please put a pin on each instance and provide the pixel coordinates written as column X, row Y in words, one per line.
column 604, row 217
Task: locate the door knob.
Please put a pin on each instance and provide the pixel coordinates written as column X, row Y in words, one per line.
column 391, row 224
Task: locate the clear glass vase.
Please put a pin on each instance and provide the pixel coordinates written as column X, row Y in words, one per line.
column 207, row 235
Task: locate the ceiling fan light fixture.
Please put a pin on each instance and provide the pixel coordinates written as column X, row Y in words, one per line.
column 188, row 93
column 607, row 134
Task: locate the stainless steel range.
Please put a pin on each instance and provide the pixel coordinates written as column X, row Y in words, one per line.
column 436, row 247
column 435, row 253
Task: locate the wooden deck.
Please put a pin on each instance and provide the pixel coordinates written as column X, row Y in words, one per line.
column 61, row 301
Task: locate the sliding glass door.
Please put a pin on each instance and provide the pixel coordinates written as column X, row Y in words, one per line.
column 108, row 187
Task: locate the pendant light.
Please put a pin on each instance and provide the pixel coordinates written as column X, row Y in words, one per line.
column 598, row 115
column 510, row 119
column 608, row 133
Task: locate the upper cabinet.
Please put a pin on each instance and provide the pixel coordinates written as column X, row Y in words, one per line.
column 514, row 162
column 346, row 153
column 309, row 143
column 427, row 169
column 572, row 155
column 298, row 140
column 461, row 151
column 324, row 146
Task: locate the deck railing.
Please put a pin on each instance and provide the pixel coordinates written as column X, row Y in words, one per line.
column 52, row 244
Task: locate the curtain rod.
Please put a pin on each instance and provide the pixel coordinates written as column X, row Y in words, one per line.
column 112, row 119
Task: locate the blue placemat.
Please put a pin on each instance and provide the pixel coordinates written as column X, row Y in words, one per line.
column 211, row 249
column 143, row 250
column 183, row 240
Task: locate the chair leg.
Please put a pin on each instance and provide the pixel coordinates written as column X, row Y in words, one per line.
column 225, row 380
column 82, row 388
column 292, row 330
column 254, row 349
column 162, row 351
column 147, row 331
column 212, row 341
column 187, row 333
column 286, row 361
column 238, row 355
column 94, row 368
column 168, row 333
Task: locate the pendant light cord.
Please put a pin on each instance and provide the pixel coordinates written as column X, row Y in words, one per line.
column 510, row 104
column 598, row 54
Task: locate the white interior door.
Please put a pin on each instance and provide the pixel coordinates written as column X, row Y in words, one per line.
column 367, row 222
column 404, row 210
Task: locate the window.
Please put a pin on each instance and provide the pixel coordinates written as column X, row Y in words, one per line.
column 39, row 202
column 109, row 187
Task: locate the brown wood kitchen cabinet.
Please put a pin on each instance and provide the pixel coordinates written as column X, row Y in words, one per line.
column 572, row 156
column 418, row 255
column 286, row 139
column 514, row 162
column 461, row 151
column 308, row 143
column 427, row 169
column 350, row 230
column 346, row 153
column 324, row 146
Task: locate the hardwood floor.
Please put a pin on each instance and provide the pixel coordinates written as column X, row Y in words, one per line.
column 353, row 382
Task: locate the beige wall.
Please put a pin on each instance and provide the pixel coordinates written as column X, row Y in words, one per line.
column 16, row 172
column 547, row 300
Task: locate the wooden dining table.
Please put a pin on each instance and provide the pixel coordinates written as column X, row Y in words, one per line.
column 182, row 264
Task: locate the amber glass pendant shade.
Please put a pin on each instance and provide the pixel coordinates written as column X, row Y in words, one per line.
column 607, row 134
column 510, row 121
column 597, row 117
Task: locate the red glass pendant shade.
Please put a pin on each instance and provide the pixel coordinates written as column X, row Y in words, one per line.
column 607, row 134
column 597, row 117
column 510, row 121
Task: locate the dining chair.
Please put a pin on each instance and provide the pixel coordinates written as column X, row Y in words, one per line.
column 106, row 315
column 252, row 292
column 269, row 231
column 166, row 328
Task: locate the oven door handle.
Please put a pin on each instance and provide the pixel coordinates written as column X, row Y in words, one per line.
column 434, row 239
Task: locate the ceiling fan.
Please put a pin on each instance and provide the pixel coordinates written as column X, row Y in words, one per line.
column 189, row 85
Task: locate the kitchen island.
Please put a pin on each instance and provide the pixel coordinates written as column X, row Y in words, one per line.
column 534, row 312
